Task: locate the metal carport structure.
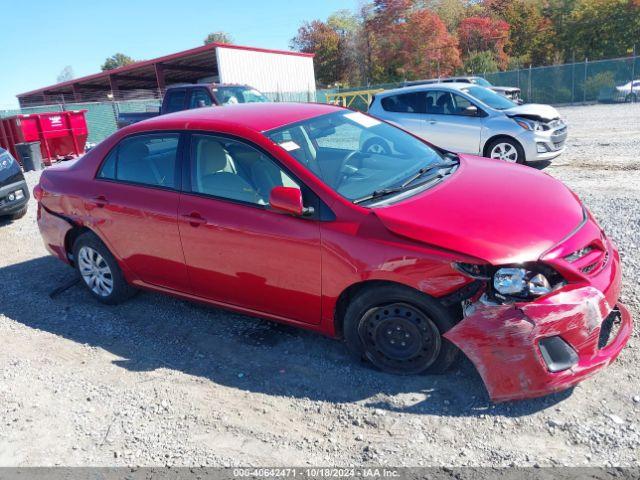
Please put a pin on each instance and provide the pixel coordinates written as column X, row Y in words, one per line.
column 267, row 70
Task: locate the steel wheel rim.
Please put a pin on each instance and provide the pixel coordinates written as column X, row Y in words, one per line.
column 384, row 329
column 506, row 152
column 95, row 271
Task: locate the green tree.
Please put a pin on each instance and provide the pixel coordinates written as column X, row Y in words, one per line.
column 480, row 63
column 116, row 61
column 66, row 74
column 531, row 34
column 604, row 28
column 218, row 37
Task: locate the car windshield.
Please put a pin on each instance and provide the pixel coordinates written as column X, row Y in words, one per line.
column 482, row 82
column 358, row 156
column 231, row 95
column 490, row 98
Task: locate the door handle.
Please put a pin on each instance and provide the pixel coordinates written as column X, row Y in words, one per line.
column 432, row 121
column 194, row 219
column 100, row 201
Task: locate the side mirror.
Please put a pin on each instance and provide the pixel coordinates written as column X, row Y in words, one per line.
column 470, row 111
column 288, row 200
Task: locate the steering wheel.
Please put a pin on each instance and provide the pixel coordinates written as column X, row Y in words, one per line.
column 346, row 170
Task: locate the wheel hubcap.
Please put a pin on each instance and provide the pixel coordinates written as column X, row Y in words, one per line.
column 400, row 338
column 95, row 271
column 505, row 151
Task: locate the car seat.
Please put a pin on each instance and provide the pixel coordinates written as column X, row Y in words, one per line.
column 215, row 175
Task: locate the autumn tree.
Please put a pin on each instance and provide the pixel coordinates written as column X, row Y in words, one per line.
column 409, row 42
column 116, row 61
column 218, row 37
column 320, row 39
column 431, row 49
column 484, row 34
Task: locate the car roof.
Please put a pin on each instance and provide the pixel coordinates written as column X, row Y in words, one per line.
column 453, row 86
column 254, row 116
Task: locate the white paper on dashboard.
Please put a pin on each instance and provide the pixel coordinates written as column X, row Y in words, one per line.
column 364, row 120
column 288, row 146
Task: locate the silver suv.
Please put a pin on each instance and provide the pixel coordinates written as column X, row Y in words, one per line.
column 467, row 118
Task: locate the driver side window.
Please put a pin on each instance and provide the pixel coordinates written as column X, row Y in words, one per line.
column 229, row 169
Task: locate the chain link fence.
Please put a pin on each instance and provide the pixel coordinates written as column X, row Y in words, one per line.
column 605, row 81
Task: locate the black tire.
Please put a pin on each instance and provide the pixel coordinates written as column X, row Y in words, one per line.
column 369, row 338
column 516, row 145
column 121, row 290
column 19, row 214
column 376, row 145
column 632, row 97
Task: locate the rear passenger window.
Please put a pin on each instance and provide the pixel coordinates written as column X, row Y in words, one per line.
column 405, row 103
column 200, row 98
column 144, row 159
column 175, row 100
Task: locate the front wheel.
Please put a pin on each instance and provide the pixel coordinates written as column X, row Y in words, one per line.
column 99, row 270
column 399, row 331
column 507, row 150
column 19, row 214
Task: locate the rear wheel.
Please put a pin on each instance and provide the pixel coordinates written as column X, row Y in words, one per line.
column 632, row 97
column 507, row 150
column 99, row 270
column 399, row 331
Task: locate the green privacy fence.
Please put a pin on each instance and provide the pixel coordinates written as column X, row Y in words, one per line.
column 101, row 116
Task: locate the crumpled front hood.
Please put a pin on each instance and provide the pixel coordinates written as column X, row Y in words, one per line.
column 495, row 211
column 534, row 111
column 505, row 89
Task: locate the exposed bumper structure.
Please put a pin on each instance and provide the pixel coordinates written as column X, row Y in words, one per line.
column 545, row 145
column 53, row 230
column 503, row 341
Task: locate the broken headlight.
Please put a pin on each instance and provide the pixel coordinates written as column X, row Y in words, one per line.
column 519, row 282
column 531, row 125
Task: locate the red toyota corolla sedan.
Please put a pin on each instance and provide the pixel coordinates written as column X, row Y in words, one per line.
column 331, row 220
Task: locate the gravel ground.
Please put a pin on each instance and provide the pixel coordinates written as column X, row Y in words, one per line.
column 159, row 381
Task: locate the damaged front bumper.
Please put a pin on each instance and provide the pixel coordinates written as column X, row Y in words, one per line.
column 510, row 347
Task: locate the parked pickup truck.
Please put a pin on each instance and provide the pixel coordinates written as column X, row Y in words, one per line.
column 185, row 97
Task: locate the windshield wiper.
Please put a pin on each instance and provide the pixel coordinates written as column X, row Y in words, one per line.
column 425, row 170
column 407, row 183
